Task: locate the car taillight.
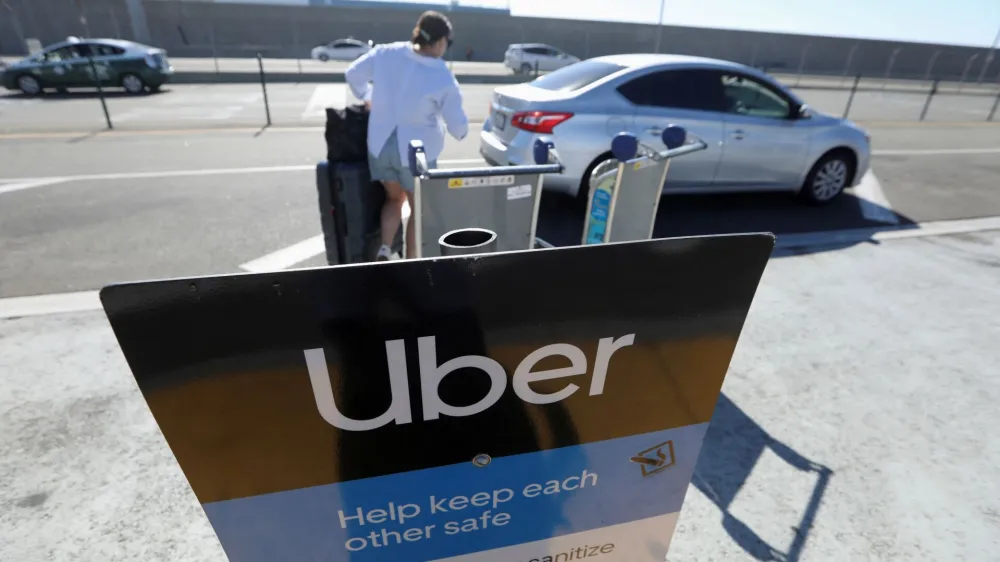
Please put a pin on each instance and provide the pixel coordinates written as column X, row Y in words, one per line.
column 538, row 121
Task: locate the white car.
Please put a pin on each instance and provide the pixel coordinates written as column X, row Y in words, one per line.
column 342, row 49
column 523, row 57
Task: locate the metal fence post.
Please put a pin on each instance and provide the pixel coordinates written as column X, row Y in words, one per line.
column 847, row 65
column 536, row 68
column 100, row 92
column 930, row 64
column 888, row 67
column 215, row 53
column 930, row 96
column 850, row 99
column 802, row 63
column 965, row 72
column 993, row 111
column 263, row 87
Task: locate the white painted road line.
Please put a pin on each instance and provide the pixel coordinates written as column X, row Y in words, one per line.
column 934, row 151
column 324, row 96
column 874, row 204
column 169, row 174
column 287, row 257
column 879, row 234
column 16, row 307
column 297, row 253
column 15, row 184
column 22, row 185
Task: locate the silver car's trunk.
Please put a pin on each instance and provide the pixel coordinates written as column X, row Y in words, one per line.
column 508, row 100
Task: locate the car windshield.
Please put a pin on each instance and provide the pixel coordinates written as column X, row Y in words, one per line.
column 576, row 76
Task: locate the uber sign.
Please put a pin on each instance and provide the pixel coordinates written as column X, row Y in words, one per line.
column 543, row 405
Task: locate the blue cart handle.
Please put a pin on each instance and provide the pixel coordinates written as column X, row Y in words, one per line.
column 549, row 165
column 625, row 146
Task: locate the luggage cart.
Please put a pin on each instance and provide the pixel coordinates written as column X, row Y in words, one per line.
column 629, row 187
column 502, row 199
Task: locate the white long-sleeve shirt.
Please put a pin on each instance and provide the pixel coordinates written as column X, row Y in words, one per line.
column 416, row 95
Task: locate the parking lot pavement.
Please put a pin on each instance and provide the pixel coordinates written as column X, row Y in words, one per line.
column 856, row 423
column 77, row 213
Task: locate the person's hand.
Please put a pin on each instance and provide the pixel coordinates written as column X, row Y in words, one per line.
column 368, row 105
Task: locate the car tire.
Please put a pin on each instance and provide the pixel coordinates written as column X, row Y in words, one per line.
column 323, row 57
column 583, row 193
column 29, row 85
column 526, row 68
column 133, row 84
column 828, row 177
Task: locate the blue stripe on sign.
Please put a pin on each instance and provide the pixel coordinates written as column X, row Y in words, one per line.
column 461, row 509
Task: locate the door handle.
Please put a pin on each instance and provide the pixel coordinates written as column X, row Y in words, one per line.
column 738, row 134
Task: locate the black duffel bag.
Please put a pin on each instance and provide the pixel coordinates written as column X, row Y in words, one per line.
column 347, row 134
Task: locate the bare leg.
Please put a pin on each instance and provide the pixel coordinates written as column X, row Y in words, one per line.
column 411, row 236
column 392, row 211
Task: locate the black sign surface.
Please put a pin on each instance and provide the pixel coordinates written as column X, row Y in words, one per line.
column 337, row 413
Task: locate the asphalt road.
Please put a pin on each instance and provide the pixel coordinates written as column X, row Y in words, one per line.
column 303, row 104
column 125, row 206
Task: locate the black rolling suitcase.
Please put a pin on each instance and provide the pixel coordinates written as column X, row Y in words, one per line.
column 350, row 210
column 350, row 204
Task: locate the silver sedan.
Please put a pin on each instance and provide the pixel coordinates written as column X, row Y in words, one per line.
column 760, row 135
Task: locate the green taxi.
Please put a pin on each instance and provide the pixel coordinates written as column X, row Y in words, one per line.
column 132, row 66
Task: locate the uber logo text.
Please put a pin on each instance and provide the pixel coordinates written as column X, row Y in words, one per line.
column 431, row 375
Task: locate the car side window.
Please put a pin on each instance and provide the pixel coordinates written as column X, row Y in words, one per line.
column 746, row 96
column 106, row 50
column 678, row 89
column 82, row 50
column 60, row 54
column 535, row 51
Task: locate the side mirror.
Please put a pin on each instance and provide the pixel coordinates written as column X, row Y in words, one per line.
column 804, row 112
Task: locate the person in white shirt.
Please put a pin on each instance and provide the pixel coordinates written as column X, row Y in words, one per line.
column 413, row 97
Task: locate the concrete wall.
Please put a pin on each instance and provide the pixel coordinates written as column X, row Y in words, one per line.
column 51, row 21
column 240, row 30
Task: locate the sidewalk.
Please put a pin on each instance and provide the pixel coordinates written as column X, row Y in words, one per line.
column 868, row 368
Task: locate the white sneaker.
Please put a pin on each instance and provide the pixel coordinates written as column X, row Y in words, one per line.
column 384, row 253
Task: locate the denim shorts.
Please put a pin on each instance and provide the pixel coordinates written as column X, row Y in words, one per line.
column 387, row 166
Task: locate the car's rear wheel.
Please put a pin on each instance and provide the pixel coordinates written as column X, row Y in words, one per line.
column 583, row 193
column 828, row 177
column 323, row 57
column 133, row 84
column 526, row 68
column 29, row 85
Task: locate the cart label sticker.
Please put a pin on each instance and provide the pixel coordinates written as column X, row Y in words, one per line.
column 456, row 183
column 518, row 192
column 599, row 209
column 644, row 163
column 446, row 409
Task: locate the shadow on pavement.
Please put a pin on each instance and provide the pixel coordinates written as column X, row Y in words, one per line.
column 732, row 447
column 82, row 94
column 560, row 219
